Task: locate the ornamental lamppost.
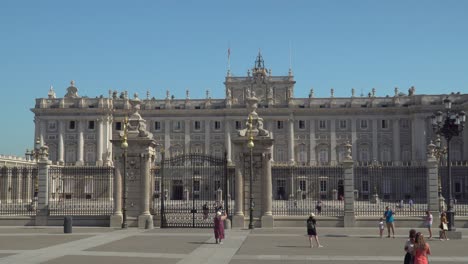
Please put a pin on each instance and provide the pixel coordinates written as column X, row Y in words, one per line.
column 439, row 153
column 124, row 147
column 449, row 124
column 250, row 145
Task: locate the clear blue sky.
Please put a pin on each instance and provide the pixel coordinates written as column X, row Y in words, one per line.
column 175, row 45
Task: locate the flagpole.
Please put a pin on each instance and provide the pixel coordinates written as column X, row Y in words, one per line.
column 229, row 60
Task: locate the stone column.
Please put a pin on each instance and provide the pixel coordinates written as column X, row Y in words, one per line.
column 108, row 128
column 43, row 192
column 227, row 137
column 238, row 218
column 145, row 219
column 354, row 137
column 167, row 137
column 396, row 141
column 42, row 131
column 19, row 177
column 187, row 136
column 207, row 136
column 80, row 161
column 100, row 139
column 116, row 219
column 270, row 128
column 27, row 195
column 349, row 216
column 312, row 145
column 267, row 192
column 375, row 147
column 291, row 187
column 61, row 145
column 8, row 188
column 291, row 140
column 333, row 142
column 465, row 144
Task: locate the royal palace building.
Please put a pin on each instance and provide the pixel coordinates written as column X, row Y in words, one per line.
column 307, row 131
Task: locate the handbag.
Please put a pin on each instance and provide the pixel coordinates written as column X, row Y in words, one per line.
column 444, row 226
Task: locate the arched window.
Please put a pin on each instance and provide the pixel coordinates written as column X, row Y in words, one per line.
column 52, row 152
column 302, row 157
column 385, row 154
column 406, row 154
column 70, row 154
column 218, row 150
column 323, row 154
column 280, row 154
column 197, row 148
column 364, row 154
column 90, row 153
column 176, row 150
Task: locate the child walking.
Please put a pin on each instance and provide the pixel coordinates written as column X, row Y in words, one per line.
column 381, row 226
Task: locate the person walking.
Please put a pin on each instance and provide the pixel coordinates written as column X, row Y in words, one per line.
column 318, row 206
column 381, row 226
column 205, row 211
column 409, row 247
column 389, row 220
column 421, row 250
column 312, row 230
column 428, row 222
column 219, row 227
column 443, row 226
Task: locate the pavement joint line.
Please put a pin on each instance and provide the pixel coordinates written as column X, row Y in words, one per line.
column 343, row 258
column 212, row 253
column 131, row 254
column 69, row 248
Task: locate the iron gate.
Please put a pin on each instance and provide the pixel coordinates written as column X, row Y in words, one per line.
column 189, row 188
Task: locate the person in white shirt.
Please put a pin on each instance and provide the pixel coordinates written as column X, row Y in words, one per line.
column 428, row 222
column 381, row 226
column 409, row 247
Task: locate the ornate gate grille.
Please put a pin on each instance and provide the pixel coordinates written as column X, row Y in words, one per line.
column 184, row 184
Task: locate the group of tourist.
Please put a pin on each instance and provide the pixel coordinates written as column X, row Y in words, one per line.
column 415, row 247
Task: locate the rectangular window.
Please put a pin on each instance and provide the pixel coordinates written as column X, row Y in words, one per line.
column 238, row 125
column 157, row 186
column 322, row 124
column 365, row 186
column 217, row 125
column 197, row 125
column 280, row 124
column 157, row 125
column 177, row 125
column 91, row 125
column 72, row 125
column 343, row 124
column 52, row 125
column 384, row 124
column 301, row 124
column 323, row 186
column 118, row 126
column 196, row 185
column 363, row 124
column 404, row 123
column 302, row 185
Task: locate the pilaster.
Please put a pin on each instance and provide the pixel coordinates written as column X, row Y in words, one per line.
column 187, row 136
column 227, row 138
column 333, row 142
column 312, row 144
column 207, row 136
column 396, row 141
column 291, row 140
column 349, row 215
column 375, row 147
column 80, row 161
column 61, row 145
column 100, row 138
column 167, row 136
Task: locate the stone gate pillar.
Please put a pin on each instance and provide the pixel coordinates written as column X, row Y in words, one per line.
column 348, row 166
column 253, row 148
column 133, row 177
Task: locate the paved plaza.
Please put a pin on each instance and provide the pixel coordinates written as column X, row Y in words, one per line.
column 281, row 245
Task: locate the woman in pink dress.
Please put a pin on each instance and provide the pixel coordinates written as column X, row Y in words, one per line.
column 219, row 227
column 421, row 250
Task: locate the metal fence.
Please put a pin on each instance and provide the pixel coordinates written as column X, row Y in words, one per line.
column 301, row 190
column 18, row 190
column 459, row 187
column 81, row 190
column 403, row 188
column 184, row 184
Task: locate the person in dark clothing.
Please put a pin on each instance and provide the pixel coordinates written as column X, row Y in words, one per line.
column 312, row 231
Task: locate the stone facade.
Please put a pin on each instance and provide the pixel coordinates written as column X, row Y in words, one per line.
column 309, row 131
